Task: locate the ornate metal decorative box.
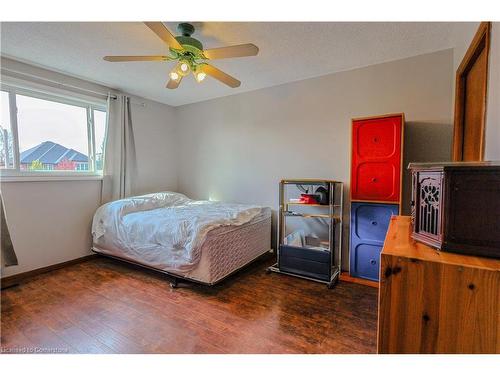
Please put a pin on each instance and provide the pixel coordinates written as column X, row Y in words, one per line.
column 456, row 206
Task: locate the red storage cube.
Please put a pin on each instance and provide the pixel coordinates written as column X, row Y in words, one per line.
column 376, row 159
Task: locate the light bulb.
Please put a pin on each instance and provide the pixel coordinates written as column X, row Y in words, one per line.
column 183, row 68
column 174, row 76
column 200, row 76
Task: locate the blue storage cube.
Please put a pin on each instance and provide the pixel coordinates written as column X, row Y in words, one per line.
column 370, row 221
column 365, row 261
column 369, row 224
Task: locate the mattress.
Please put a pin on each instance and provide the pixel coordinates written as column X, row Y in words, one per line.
column 224, row 249
column 227, row 249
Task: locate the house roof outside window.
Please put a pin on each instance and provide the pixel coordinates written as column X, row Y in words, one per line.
column 52, row 153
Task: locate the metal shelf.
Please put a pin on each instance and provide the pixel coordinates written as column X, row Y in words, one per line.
column 314, row 248
column 311, row 204
column 335, row 275
column 309, row 181
column 300, row 214
column 307, row 204
column 301, row 261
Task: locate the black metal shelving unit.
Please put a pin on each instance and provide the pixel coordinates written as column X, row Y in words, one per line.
column 321, row 261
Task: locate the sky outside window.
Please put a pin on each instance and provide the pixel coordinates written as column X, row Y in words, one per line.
column 41, row 120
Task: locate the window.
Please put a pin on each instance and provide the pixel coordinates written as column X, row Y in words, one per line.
column 48, row 135
column 6, row 139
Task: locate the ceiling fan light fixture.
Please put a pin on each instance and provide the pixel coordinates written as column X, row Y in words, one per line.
column 174, row 76
column 183, row 68
column 191, row 56
column 199, row 75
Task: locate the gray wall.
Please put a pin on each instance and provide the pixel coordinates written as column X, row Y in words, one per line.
column 237, row 148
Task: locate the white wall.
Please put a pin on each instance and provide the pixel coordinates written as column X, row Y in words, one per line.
column 463, row 33
column 237, row 148
column 155, row 133
column 50, row 221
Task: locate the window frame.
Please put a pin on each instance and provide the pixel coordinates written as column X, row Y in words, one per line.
column 16, row 174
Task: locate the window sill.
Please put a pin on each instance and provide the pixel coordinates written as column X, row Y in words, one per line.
column 38, row 178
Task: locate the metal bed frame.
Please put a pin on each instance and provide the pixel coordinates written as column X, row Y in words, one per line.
column 175, row 279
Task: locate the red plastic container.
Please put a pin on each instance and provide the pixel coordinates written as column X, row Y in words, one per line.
column 376, row 159
column 308, row 199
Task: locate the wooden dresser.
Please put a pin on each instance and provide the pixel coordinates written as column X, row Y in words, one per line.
column 435, row 302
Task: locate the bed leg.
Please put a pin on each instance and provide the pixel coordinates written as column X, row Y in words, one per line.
column 173, row 283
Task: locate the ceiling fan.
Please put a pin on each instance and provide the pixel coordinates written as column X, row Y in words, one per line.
column 190, row 55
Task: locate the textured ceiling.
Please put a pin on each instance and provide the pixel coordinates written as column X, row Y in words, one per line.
column 288, row 52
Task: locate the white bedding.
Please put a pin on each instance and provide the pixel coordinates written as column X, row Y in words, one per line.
column 165, row 230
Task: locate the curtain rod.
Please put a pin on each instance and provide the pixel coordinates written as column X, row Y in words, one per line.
column 60, row 84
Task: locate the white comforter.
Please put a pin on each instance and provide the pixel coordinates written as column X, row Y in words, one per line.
column 166, row 225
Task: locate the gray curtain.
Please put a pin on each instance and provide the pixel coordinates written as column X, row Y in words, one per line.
column 120, row 165
column 8, row 254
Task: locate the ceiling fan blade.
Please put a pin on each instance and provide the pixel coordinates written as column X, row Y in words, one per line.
column 136, row 58
column 161, row 30
column 240, row 50
column 174, row 84
column 220, row 75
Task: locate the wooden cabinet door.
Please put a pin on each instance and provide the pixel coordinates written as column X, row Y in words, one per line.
column 429, row 200
column 376, row 159
column 431, row 307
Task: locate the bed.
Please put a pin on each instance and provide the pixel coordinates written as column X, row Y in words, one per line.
column 200, row 241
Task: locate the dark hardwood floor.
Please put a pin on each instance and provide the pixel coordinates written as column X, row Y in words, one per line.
column 104, row 306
